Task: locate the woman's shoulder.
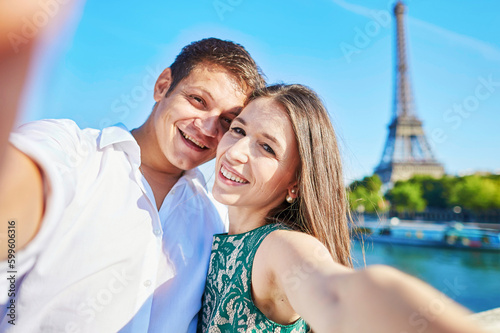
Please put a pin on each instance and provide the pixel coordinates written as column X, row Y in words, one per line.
column 288, row 239
column 284, row 261
column 284, row 248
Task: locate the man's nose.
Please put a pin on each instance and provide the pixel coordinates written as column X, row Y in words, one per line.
column 208, row 125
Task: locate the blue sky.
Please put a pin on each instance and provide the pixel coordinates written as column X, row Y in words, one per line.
column 104, row 73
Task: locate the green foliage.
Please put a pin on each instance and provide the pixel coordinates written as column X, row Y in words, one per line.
column 407, row 196
column 435, row 192
column 476, row 193
column 366, row 195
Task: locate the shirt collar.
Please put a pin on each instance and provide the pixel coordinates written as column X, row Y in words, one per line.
column 115, row 134
column 195, row 175
column 119, row 134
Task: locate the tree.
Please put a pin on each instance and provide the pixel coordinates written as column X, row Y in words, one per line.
column 435, row 191
column 406, row 196
column 476, row 193
column 366, row 193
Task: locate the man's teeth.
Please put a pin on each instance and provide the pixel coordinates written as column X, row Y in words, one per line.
column 231, row 176
column 193, row 140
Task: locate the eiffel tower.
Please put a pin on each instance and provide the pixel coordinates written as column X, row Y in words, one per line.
column 407, row 151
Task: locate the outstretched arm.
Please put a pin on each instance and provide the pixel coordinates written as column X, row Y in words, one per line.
column 21, row 194
column 20, row 181
column 332, row 298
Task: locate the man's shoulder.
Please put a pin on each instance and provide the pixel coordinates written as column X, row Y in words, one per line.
column 63, row 143
column 68, row 131
column 57, row 129
column 195, row 182
column 202, row 200
column 222, row 212
column 48, row 126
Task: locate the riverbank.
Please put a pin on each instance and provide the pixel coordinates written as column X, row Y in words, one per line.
column 456, row 235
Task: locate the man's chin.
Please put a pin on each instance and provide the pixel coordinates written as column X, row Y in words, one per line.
column 189, row 165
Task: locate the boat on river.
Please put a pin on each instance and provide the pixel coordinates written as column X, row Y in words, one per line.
column 450, row 235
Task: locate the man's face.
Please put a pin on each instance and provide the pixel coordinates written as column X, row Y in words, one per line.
column 192, row 119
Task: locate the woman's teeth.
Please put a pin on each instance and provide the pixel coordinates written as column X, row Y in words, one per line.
column 231, row 176
column 193, row 140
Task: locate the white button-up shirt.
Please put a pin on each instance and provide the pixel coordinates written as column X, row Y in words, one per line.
column 105, row 259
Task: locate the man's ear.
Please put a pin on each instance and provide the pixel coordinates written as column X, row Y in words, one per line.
column 162, row 84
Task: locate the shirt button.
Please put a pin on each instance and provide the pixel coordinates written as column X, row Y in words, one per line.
column 173, row 191
column 157, row 232
column 147, row 283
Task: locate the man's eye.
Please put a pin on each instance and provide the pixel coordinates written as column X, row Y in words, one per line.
column 238, row 130
column 198, row 100
column 225, row 123
column 268, row 149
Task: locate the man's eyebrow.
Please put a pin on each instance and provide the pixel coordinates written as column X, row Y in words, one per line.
column 203, row 90
column 236, row 112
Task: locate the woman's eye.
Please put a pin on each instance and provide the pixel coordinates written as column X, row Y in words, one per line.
column 238, row 130
column 268, row 149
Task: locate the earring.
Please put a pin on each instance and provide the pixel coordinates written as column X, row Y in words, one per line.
column 289, row 199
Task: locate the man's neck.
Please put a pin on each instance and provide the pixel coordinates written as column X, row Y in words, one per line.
column 159, row 173
column 161, row 183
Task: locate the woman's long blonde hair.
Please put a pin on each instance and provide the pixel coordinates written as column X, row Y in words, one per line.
column 321, row 208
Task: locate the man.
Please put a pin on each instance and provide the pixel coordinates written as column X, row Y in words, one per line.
column 113, row 228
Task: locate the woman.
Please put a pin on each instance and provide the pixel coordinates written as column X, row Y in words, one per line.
column 286, row 259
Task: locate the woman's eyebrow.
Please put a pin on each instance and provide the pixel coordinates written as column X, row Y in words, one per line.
column 271, row 138
column 240, row 120
column 266, row 135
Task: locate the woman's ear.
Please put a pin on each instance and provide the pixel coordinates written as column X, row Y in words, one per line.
column 162, row 84
column 293, row 191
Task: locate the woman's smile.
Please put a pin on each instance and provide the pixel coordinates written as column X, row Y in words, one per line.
column 232, row 176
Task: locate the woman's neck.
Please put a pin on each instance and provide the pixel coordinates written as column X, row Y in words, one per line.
column 243, row 219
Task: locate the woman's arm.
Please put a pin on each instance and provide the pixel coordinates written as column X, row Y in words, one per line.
column 332, row 298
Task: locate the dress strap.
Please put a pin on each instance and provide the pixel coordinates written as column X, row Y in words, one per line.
column 253, row 245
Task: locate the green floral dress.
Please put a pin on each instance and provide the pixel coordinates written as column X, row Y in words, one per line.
column 227, row 301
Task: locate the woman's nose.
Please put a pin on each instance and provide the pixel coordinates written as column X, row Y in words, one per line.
column 239, row 151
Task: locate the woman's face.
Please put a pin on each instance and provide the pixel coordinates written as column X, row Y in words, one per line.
column 257, row 158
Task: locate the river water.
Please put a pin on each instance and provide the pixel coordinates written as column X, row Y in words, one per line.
column 471, row 278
